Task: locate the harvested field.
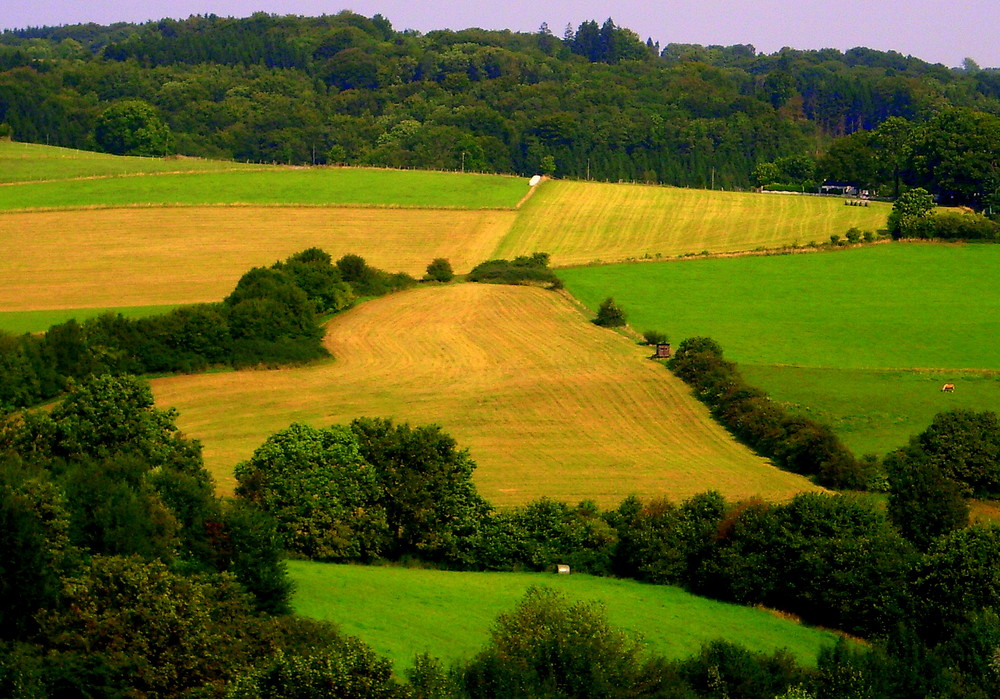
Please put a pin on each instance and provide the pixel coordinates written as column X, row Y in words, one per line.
column 547, row 403
column 155, row 256
column 584, row 222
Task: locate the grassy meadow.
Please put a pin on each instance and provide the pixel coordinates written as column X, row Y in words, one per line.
column 584, row 222
column 33, row 162
column 860, row 338
column 402, row 612
column 875, row 410
column 320, row 186
column 548, row 404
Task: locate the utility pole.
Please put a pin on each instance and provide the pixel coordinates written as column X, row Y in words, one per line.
column 463, row 161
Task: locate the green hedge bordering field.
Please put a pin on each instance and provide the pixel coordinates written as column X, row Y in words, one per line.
column 795, row 443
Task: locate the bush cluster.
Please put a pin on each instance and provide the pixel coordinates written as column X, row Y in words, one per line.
column 793, row 442
column 520, row 270
column 124, row 575
column 914, row 216
column 271, row 318
column 369, row 490
column 955, row 225
column 956, row 457
column 374, row 490
column 610, row 314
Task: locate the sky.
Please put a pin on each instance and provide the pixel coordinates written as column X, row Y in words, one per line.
column 938, row 31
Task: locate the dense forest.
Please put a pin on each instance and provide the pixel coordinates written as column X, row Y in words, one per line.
column 596, row 102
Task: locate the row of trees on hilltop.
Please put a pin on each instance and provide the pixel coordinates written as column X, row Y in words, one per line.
column 595, row 102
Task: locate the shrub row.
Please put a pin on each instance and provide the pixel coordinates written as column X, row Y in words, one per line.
column 520, row 270
column 793, row 442
column 950, row 225
column 270, row 318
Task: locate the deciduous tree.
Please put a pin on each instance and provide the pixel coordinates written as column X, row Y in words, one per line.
column 132, row 127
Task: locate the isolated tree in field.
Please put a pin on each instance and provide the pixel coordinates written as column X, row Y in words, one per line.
column 609, row 314
column 132, row 127
column 439, row 270
column 655, row 337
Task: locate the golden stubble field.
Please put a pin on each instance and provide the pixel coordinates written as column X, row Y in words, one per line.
column 174, row 255
column 547, row 403
column 583, row 222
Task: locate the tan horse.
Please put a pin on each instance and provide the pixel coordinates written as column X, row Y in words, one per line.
column 949, row 387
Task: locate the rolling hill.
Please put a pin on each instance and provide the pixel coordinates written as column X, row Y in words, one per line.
column 547, row 403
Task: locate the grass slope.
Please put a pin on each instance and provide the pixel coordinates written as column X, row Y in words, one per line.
column 32, row 162
column 403, row 612
column 898, row 306
column 876, row 410
column 275, row 186
column 846, row 336
column 141, row 257
column 582, row 222
column 547, row 403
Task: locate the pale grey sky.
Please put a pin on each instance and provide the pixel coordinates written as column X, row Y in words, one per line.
column 939, row 31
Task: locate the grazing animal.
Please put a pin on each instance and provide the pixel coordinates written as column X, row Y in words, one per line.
column 949, row 387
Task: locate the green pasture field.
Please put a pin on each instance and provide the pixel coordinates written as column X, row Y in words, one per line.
column 324, row 186
column 584, row 222
column 875, row 410
column 862, row 339
column 19, row 322
column 27, row 162
column 883, row 306
column 403, row 612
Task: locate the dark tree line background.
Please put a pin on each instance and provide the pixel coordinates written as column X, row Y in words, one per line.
column 597, row 102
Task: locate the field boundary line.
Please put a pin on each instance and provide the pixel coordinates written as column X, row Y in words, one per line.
column 768, row 252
